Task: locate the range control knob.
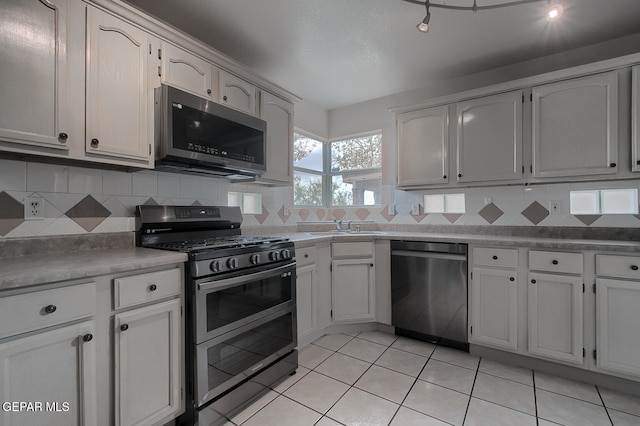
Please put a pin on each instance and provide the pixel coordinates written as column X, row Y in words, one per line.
column 274, row 255
column 286, row 254
column 215, row 266
column 254, row 259
column 232, row 263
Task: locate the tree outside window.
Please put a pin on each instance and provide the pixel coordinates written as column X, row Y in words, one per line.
column 344, row 172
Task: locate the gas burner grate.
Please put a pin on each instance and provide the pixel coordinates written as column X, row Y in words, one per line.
column 216, row 243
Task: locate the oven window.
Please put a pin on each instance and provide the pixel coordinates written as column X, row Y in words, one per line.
column 236, row 303
column 237, row 354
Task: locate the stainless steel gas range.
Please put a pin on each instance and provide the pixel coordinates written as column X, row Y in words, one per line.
column 240, row 306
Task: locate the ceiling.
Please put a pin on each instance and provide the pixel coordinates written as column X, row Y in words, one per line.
column 340, row 52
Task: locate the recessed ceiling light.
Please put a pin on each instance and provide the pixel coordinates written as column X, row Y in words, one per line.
column 554, row 12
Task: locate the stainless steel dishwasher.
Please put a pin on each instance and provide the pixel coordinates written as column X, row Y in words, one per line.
column 429, row 291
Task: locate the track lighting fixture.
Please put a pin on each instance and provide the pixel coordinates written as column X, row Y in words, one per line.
column 554, row 12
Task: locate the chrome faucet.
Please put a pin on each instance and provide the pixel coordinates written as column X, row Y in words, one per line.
column 339, row 227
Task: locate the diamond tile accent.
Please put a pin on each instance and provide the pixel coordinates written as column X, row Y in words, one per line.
column 11, row 213
column 338, row 213
column 385, row 213
column 320, row 213
column 452, row 217
column 420, row 216
column 88, row 213
column 535, row 213
column 363, row 213
column 490, row 213
column 151, row 202
column 281, row 214
column 588, row 219
column 304, row 214
column 196, row 203
column 262, row 216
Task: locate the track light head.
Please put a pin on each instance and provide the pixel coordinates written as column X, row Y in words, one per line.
column 423, row 26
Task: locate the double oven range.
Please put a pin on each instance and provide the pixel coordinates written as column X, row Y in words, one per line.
column 240, row 311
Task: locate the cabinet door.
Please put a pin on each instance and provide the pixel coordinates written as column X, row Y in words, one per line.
column 188, row 72
column 617, row 331
column 635, row 119
column 575, row 127
column 306, row 300
column 494, row 299
column 237, row 93
column 278, row 114
column 148, row 378
column 353, row 290
column 116, row 89
column 56, row 368
column 555, row 316
column 423, row 147
column 489, row 135
column 36, row 57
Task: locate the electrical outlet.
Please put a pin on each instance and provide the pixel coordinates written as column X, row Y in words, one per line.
column 391, row 210
column 554, row 207
column 415, row 209
column 33, row 208
column 285, row 210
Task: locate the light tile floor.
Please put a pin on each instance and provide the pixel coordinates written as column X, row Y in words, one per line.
column 375, row 378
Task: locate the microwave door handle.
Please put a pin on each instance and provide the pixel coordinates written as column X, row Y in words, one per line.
column 230, row 282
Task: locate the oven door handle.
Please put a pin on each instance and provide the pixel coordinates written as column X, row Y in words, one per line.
column 229, row 282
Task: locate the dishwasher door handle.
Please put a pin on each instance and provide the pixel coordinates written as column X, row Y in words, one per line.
column 429, row 255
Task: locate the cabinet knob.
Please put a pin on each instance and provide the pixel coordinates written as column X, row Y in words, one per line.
column 512, row 279
column 208, row 91
column 612, row 165
column 459, row 174
column 87, row 337
column 153, row 287
column 533, row 281
column 638, row 162
column 94, row 143
column 444, row 176
column 495, row 257
column 634, row 267
column 306, row 255
column 224, row 98
column 555, row 262
column 124, row 327
column 50, row 309
column 371, row 264
column 62, row 137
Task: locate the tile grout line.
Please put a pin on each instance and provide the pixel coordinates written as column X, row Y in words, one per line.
column 535, row 396
column 606, row 410
column 464, row 419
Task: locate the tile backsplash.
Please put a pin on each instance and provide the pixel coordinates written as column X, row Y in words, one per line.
column 80, row 200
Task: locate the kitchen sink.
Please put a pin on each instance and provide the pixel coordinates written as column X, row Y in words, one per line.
column 316, row 233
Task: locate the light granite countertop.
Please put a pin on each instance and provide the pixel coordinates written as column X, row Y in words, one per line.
column 305, row 239
column 25, row 271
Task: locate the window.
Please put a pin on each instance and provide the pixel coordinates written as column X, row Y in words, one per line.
column 249, row 203
column 444, row 203
column 345, row 172
column 605, row 201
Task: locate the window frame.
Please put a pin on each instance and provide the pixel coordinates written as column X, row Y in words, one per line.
column 327, row 174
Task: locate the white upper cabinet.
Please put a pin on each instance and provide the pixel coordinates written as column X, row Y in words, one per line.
column 187, row 72
column 278, row 114
column 423, row 147
column 489, row 138
column 117, row 90
column 635, row 119
column 41, row 50
column 575, row 127
column 237, row 93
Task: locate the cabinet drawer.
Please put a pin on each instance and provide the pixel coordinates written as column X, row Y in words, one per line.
column 40, row 309
column 618, row 266
column 500, row 258
column 137, row 289
column 305, row 256
column 551, row 261
column 355, row 249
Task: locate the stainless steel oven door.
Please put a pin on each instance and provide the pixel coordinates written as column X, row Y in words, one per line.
column 227, row 360
column 226, row 303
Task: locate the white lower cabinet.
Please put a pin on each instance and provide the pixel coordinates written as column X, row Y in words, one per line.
column 55, row 369
column 555, row 316
column 306, row 293
column 495, row 307
column 147, row 363
column 353, row 292
column 618, row 314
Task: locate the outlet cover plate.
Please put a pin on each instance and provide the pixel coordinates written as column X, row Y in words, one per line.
column 33, row 208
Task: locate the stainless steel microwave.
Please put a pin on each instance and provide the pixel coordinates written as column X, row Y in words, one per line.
column 196, row 135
